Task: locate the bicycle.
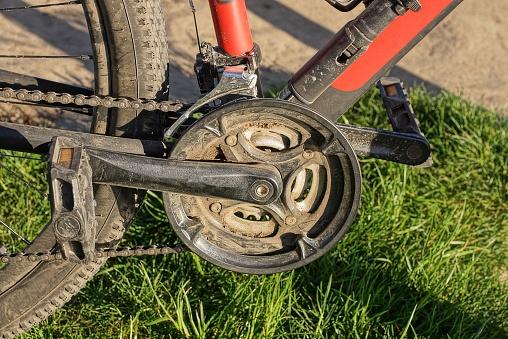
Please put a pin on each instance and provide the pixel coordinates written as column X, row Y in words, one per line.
column 256, row 185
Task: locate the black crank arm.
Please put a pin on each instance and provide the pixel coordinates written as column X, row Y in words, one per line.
column 254, row 183
column 405, row 148
column 387, row 145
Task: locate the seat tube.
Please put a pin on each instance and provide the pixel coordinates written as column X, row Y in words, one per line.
column 232, row 27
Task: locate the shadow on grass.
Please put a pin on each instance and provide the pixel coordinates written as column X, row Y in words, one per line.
column 373, row 301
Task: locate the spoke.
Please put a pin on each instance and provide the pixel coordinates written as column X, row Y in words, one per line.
column 40, row 6
column 26, row 182
column 19, row 56
column 16, row 233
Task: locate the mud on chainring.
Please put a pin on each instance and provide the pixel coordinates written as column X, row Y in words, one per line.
column 322, row 187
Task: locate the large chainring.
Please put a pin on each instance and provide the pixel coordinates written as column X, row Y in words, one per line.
column 322, row 187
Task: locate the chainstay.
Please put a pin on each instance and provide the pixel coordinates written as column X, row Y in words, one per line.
column 90, row 100
column 103, row 253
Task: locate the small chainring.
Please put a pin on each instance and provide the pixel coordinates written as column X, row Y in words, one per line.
column 322, row 187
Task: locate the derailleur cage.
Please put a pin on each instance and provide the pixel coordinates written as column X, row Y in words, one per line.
column 210, row 64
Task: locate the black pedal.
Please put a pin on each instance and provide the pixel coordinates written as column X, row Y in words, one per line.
column 399, row 109
column 72, row 203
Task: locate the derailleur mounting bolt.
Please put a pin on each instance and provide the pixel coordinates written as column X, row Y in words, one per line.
column 290, row 221
column 216, row 207
column 231, row 140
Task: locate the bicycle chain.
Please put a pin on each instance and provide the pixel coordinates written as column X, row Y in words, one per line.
column 92, row 101
column 103, row 253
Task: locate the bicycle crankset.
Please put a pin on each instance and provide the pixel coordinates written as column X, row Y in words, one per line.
column 320, row 193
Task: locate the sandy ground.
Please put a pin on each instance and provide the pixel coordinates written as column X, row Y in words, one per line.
column 466, row 54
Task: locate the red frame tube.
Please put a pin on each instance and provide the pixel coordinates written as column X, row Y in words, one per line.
column 232, row 27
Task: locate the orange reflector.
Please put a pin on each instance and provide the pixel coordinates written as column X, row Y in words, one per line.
column 65, row 157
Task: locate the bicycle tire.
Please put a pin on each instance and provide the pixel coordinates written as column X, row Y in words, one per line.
column 130, row 49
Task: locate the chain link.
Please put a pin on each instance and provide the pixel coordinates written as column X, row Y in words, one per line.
column 103, row 253
column 90, row 100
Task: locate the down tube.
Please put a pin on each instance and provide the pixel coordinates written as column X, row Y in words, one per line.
column 354, row 71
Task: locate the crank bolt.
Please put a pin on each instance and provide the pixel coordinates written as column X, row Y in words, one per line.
column 216, row 207
column 231, row 140
column 307, row 154
column 262, row 190
column 290, row 221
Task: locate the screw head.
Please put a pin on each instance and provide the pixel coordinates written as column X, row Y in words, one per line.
column 216, row 207
column 231, row 140
column 262, row 190
column 68, row 226
column 307, row 154
column 290, row 220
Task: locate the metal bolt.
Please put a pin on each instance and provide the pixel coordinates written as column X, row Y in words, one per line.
column 262, row 190
column 290, row 220
column 68, row 226
column 307, row 154
column 216, row 207
column 231, row 140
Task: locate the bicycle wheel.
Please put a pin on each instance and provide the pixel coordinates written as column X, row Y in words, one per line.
column 129, row 48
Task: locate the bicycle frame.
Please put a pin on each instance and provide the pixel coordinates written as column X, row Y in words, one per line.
column 330, row 82
column 354, row 59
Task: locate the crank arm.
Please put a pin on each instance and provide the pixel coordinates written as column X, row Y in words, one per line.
column 405, row 148
column 258, row 184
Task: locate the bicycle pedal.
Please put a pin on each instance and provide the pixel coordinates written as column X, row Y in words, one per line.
column 72, row 202
column 399, row 110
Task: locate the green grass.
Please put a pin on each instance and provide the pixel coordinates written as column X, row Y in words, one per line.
column 22, row 208
column 424, row 258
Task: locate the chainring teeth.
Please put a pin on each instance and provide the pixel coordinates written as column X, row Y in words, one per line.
column 317, row 201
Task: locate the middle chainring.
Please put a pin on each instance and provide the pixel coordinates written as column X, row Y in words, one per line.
column 320, row 197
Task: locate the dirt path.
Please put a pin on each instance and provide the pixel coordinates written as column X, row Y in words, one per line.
column 467, row 53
